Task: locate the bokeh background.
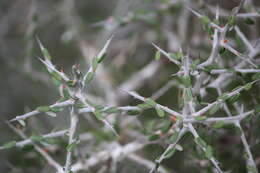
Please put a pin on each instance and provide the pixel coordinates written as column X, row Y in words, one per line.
column 74, row 31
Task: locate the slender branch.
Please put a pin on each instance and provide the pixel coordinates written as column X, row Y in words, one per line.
column 73, row 126
column 45, row 155
column 46, row 136
column 36, row 112
column 166, row 109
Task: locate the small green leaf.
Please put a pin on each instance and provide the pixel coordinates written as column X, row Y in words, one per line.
column 112, row 110
column 231, row 20
column 179, row 147
column 205, row 20
column 89, row 77
column 37, row 138
column 249, row 21
column 195, row 64
column 209, row 152
column 257, row 109
column 256, row 76
column 133, row 112
column 102, row 58
column 22, row 122
column 214, row 108
column 52, row 114
column 98, row 114
column 222, row 50
column 248, row 86
column 200, row 118
column 166, row 127
column 160, row 112
column 71, row 146
column 56, row 76
column 169, row 153
column 218, row 124
column 9, row 144
column 44, row 50
column 150, row 102
column 188, row 94
column 144, row 106
column 234, row 98
column 201, row 142
column 177, row 56
column 186, row 80
column 153, row 137
column 71, row 83
column 94, row 63
column 223, row 97
column 174, row 137
column 157, row 55
column 251, row 168
column 56, row 109
column 80, row 105
column 43, row 108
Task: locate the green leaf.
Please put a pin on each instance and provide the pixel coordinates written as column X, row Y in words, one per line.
column 94, row 63
column 160, row 112
column 43, row 108
column 56, row 76
column 256, row 76
column 222, row 50
column 37, row 138
column 257, row 109
column 166, row 127
column 169, row 153
column 80, row 105
column 150, row 102
column 188, row 94
column 157, row 55
column 200, row 118
column 209, row 152
column 71, row 83
column 218, row 124
column 56, row 109
column 234, row 98
column 231, row 20
column 144, row 106
column 249, row 21
column 71, row 146
column 248, row 86
column 195, row 64
column 174, row 137
column 177, row 56
column 153, row 137
column 205, row 20
column 112, row 110
column 102, row 58
column 223, row 97
column 44, row 51
column 179, row 147
column 22, row 122
column 98, row 114
column 201, row 142
column 89, row 77
column 251, row 168
column 186, row 80
column 52, row 114
column 212, row 91
column 9, row 144
column 214, row 108
column 133, row 112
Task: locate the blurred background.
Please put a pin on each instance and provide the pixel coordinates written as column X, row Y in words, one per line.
column 74, row 31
